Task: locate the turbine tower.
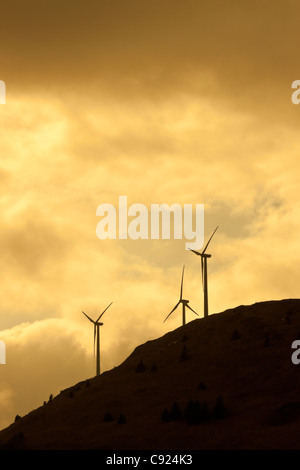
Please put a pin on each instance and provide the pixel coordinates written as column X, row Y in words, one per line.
column 182, row 301
column 204, row 257
column 97, row 324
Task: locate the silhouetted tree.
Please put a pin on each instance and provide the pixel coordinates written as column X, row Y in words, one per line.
column 165, row 416
column 108, row 417
column 122, row 419
column 196, row 412
column 287, row 317
column 189, row 412
column 183, row 355
column 205, row 413
column 140, row 367
column 17, row 418
column 175, row 413
column 219, row 410
column 235, row 335
column 50, row 397
column 202, row 386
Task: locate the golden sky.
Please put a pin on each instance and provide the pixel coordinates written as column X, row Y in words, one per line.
column 164, row 101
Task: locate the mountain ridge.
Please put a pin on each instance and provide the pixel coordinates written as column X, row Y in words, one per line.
column 240, row 357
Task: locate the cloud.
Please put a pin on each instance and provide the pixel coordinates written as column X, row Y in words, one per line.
column 244, row 54
column 6, row 405
column 43, row 357
column 165, row 102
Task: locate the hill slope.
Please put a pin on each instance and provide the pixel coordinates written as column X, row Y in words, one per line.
column 242, row 355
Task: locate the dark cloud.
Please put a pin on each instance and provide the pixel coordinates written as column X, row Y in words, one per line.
column 246, row 51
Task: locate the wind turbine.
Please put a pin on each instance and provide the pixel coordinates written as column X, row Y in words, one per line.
column 97, row 324
column 182, row 301
column 204, row 257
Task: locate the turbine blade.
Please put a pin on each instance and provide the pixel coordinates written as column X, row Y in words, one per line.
column 209, row 240
column 181, row 283
column 88, row 317
column 196, row 252
column 103, row 312
column 172, row 311
column 192, row 310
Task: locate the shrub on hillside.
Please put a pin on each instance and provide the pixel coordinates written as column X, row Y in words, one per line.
column 165, row 416
column 108, row 417
column 219, row 410
column 202, row 386
column 122, row 419
column 235, row 335
column 175, row 412
column 195, row 412
column 140, row 367
column 184, row 354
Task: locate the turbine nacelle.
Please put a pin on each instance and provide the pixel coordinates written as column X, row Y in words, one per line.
column 203, row 255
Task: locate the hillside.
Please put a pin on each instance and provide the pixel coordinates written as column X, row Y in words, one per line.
column 242, row 355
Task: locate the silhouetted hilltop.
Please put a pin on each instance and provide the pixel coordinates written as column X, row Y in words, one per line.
column 223, row 382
